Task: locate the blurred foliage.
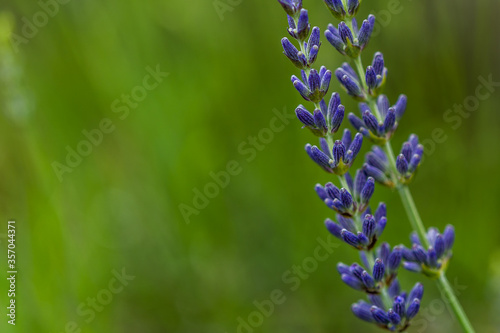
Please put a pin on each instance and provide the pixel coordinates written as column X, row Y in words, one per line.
column 119, row 207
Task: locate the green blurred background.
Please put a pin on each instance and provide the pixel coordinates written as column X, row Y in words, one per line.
column 119, row 207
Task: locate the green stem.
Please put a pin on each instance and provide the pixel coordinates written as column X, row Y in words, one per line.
column 446, row 288
column 413, row 215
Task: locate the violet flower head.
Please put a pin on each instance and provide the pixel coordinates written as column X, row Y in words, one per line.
column 340, row 158
column 379, row 128
column 307, row 58
column 299, row 28
column 323, row 121
column 409, row 159
column 376, row 75
column 314, row 86
column 349, row 80
column 347, row 42
column 291, row 7
column 433, row 260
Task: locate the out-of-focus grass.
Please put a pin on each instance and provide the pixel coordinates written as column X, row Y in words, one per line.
column 119, row 208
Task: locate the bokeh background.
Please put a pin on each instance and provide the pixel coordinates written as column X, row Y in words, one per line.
column 119, row 207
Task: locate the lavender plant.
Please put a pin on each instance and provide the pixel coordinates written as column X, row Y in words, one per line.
column 386, row 305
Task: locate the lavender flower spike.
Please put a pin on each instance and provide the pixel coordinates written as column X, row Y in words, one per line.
column 355, row 223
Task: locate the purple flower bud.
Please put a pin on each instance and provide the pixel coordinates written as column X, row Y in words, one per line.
column 379, row 315
column 304, row 116
column 356, row 270
column 381, row 211
column 350, row 238
column 346, row 138
column 394, row 259
column 325, row 82
column 346, row 198
column 337, row 118
column 336, row 8
column 352, row 7
column 399, row 306
column 359, row 182
column 376, row 300
column 314, row 80
column 289, row 49
column 417, row 292
column 432, row 257
column 439, row 246
column 366, row 31
column 362, row 311
column 413, row 309
column 371, row 77
column 313, row 54
column 408, row 254
column 319, row 157
column 333, row 105
column 314, row 39
column 369, row 225
column 356, row 144
column 302, row 60
column 371, row 122
column 380, row 226
column 383, row 104
column 345, row 33
column 378, row 63
column 390, row 120
column 336, row 205
column 291, row 7
column 351, row 86
column 303, row 25
column 414, row 238
column 355, row 121
column 363, row 240
column 400, row 106
column 378, row 270
column 419, row 253
column 343, row 269
column 352, row 282
column 412, row 267
column 393, row 317
column 332, row 190
column 375, row 161
column 377, row 174
column 418, row 150
column 346, row 223
column 384, row 251
column 367, row 191
column 302, row 89
column 333, row 228
column 406, row 151
column 324, row 146
column 338, row 152
column 321, row 192
column 414, row 162
column 336, row 41
column 367, row 280
column 449, row 237
column 402, row 165
column 349, row 71
column 394, row 289
column 319, row 120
